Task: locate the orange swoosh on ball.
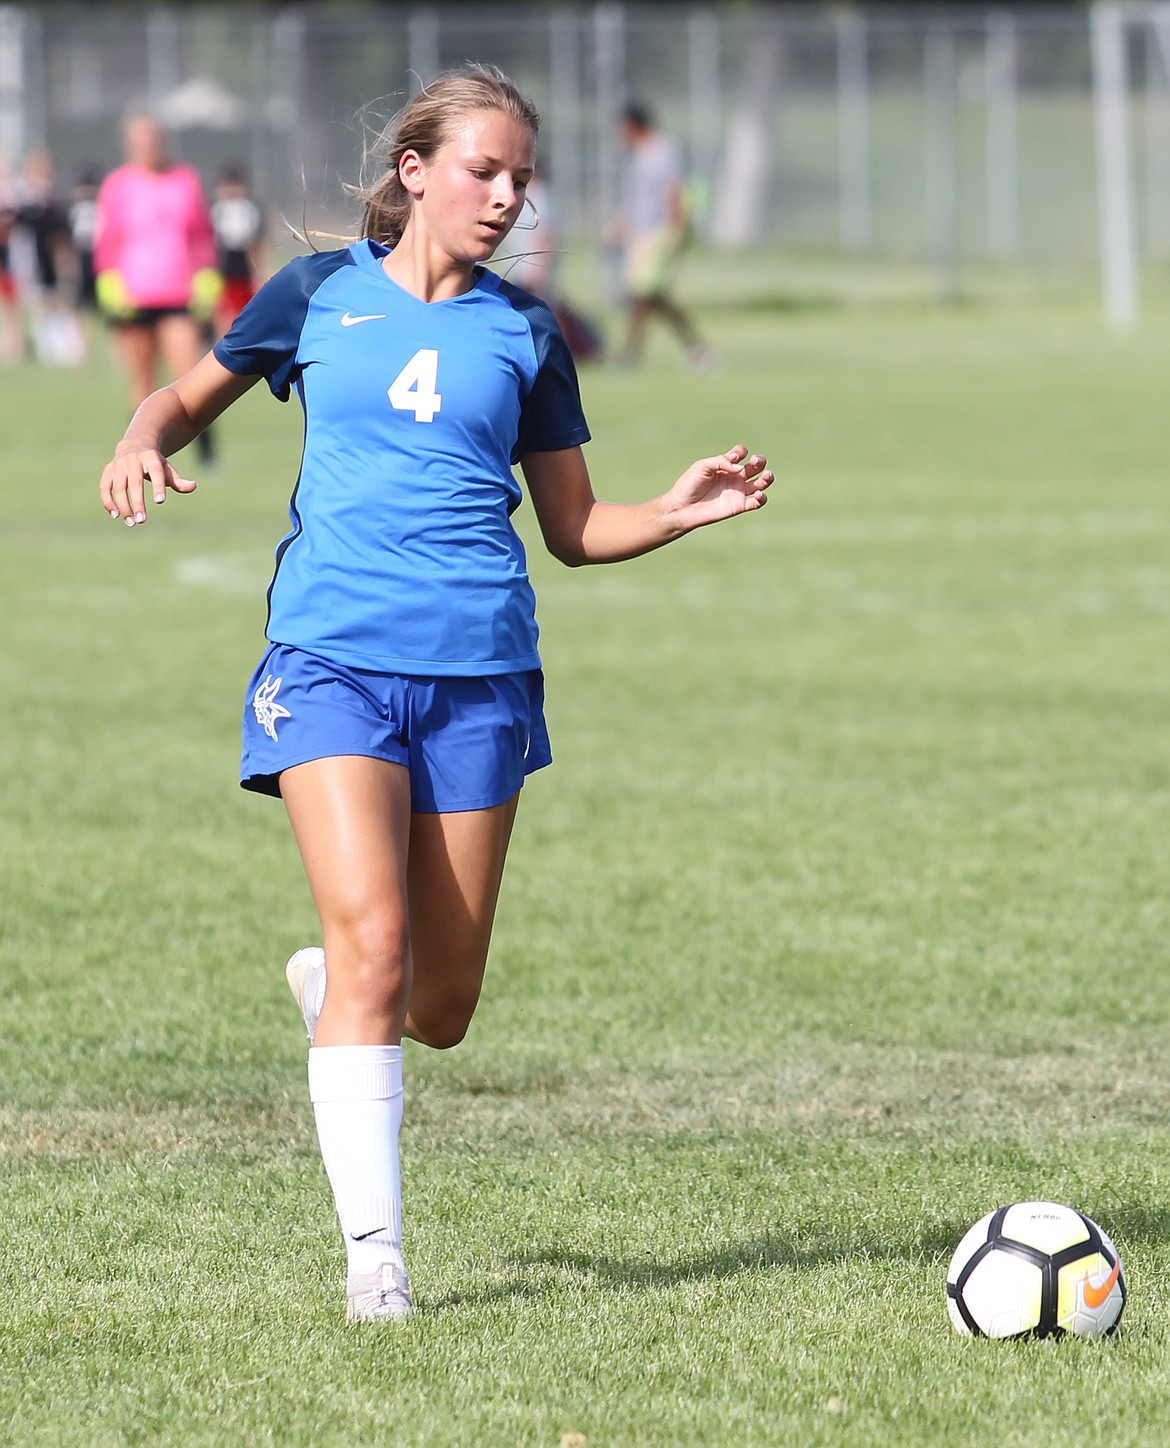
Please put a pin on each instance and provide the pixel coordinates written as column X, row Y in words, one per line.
column 1095, row 1296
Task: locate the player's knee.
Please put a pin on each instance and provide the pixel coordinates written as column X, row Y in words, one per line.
column 376, row 976
column 440, row 1035
column 444, row 1024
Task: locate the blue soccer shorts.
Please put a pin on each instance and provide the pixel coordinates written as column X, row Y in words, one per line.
column 469, row 743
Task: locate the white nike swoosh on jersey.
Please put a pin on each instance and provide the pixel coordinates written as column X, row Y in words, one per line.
column 351, row 321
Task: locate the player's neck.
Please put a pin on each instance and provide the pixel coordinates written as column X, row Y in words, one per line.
column 427, row 272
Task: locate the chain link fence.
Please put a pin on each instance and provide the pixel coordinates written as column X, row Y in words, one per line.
column 944, row 137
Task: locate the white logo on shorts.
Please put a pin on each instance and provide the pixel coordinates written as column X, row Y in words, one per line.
column 265, row 707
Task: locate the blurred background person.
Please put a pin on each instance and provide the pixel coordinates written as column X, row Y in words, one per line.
column 155, row 254
column 535, row 267
column 82, row 230
column 11, row 331
column 651, row 231
column 41, row 258
column 238, row 222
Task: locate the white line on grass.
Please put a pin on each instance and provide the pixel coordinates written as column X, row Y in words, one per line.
column 235, row 572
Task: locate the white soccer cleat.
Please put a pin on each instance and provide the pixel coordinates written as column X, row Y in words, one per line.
column 305, row 973
column 375, row 1296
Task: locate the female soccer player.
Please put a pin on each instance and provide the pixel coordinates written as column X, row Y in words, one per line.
column 398, row 707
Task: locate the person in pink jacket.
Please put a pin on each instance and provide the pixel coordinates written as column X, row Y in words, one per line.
column 154, row 255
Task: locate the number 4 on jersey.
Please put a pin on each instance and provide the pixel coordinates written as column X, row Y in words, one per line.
column 415, row 387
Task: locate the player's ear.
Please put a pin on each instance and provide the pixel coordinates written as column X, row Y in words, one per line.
column 412, row 170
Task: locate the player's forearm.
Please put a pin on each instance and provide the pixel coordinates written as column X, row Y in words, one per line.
column 161, row 423
column 613, row 532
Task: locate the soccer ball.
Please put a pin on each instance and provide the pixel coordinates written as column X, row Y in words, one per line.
column 1035, row 1269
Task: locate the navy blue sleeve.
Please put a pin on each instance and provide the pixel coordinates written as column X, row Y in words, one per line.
column 551, row 416
column 264, row 338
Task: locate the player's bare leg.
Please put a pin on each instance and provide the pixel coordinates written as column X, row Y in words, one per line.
column 351, row 818
column 641, row 310
column 138, row 350
column 455, row 865
column 677, row 320
column 406, row 907
column 180, row 339
column 454, row 872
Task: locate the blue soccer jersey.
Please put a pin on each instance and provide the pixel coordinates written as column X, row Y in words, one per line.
column 401, row 556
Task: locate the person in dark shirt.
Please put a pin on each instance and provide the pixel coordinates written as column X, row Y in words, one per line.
column 82, row 233
column 41, row 257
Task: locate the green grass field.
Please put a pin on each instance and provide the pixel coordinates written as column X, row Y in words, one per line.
column 841, row 919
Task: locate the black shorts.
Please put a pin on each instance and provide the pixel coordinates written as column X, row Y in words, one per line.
column 148, row 316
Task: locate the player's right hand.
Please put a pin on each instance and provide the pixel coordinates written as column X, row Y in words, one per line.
column 132, row 475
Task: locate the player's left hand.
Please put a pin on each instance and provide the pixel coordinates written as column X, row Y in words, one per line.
column 721, row 487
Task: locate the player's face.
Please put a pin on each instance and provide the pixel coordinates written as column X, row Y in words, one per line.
column 144, row 144
column 474, row 185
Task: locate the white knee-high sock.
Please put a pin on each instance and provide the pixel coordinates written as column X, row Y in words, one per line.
column 356, row 1093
